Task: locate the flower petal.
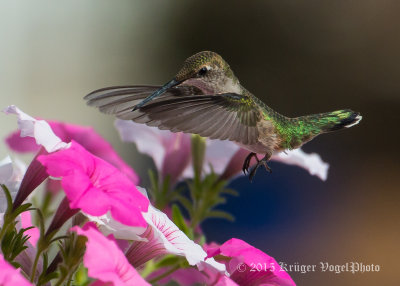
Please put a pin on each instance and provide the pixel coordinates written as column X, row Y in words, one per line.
column 175, row 241
column 243, row 256
column 177, row 157
column 105, row 261
column 11, row 174
column 21, row 144
column 94, row 143
column 311, row 162
column 148, row 140
column 26, row 221
column 108, row 225
column 9, row 276
column 38, row 129
column 96, row 186
column 170, row 151
column 162, row 236
column 192, row 276
column 84, row 135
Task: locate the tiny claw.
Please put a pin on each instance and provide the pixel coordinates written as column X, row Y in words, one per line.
column 269, row 170
column 263, row 162
column 253, row 173
column 246, row 163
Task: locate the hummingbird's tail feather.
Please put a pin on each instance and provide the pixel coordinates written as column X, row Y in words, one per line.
column 336, row 120
column 300, row 130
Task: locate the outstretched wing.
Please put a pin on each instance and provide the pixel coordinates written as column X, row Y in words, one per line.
column 222, row 116
column 120, row 100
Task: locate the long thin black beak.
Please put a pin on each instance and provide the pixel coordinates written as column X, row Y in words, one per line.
column 157, row 93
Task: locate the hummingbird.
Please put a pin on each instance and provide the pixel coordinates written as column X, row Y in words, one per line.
column 206, row 98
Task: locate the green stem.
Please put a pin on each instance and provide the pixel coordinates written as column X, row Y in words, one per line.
column 195, row 219
column 35, row 263
column 69, row 278
column 58, row 238
column 197, row 212
column 46, row 203
column 165, row 274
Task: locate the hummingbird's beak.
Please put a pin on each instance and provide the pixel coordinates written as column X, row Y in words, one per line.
column 157, row 93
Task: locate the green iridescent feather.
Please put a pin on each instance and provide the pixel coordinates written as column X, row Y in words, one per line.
column 296, row 131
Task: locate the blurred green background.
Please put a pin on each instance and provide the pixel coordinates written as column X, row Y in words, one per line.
column 300, row 57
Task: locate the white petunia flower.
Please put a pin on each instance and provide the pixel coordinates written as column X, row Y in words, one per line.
column 38, row 129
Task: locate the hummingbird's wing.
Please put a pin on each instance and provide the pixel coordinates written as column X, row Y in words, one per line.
column 223, row 116
column 120, row 100
column 184, row 109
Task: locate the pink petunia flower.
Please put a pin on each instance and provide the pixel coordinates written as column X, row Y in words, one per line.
column 240, row 257
column 160, row 237
column 105, row 261
column 95, row 186
column 224, row 157
column 246, row 265
column 84, row 135
column 42, row 134
column 9, row 276
column 164, row 237
column 39, row 131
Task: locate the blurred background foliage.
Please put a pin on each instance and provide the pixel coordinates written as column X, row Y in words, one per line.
column 300, row 57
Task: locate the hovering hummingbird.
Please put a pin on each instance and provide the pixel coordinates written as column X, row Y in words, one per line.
column 206, row 98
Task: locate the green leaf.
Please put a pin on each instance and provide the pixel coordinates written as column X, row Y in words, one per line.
column 166, row 184
column 178, row 219
column 220, row 214
column 13, row 243
column 231, row 192
column 219, row 201
column 186, row 203
column 21, row 209
column 153, row 190
column 8, row 197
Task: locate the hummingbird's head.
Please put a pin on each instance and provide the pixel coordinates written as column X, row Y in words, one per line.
column 209, row 72
column 206, row 71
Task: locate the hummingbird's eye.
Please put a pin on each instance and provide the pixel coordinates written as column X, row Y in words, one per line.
column 203, row 71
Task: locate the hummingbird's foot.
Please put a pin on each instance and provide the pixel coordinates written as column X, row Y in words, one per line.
column 246, row 163
column 263, row 162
